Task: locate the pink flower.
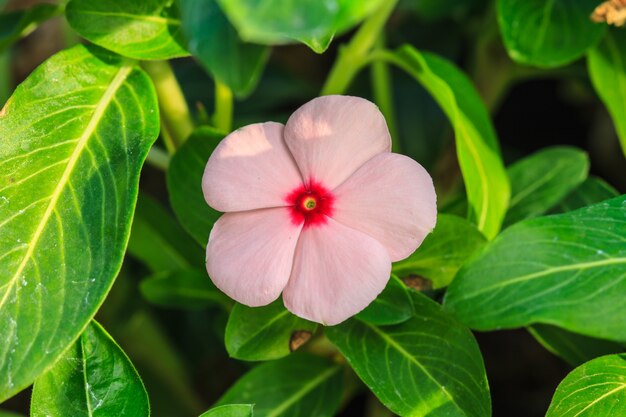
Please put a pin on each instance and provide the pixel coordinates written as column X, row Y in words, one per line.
column 316, row 209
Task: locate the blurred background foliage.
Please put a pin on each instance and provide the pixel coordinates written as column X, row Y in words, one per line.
column 180, row 352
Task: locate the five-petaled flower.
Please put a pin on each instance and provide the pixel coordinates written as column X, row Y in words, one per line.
column 316, row 209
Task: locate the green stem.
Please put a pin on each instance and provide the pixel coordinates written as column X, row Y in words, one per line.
column 175, row 113
column 223, row 116
column 383, row 95
column 353, row 56
column 158, row 158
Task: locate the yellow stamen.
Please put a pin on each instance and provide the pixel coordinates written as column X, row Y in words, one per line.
column 309, row 203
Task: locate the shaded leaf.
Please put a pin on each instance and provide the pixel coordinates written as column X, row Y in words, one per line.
column 443, row 252
column 147, row 29
column 186, row 289
column 298, row 385
column 392, row 306
column 265, row 333
column 568, row 270
column 231, row 410
column 94, row 378
column 75, row 135
column 593, row 190
column 594, row 389
column 427, row 366
column 548, row 33
column 16, row 25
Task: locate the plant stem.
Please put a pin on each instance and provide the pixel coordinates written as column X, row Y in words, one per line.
column 175, row 114
column 353, row 56
column 383, row 94
column 158, row 158
column 223, row 116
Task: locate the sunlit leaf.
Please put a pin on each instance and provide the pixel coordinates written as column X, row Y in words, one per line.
column 74, row 137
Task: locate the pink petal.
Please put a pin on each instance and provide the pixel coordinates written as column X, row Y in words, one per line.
column 250, row 254
column 251, row 168
column 330, row 137
column 337, row 272
column 392, row 199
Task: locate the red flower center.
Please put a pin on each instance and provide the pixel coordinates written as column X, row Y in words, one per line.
column 311, row 203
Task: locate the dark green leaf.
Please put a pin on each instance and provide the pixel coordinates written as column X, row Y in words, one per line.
column 16, row 25
column 265, row 333
column 568, row 270
column 593, row 190
column 607, row 68
column 7, row 413
column 184, row 183
column 574, row 348
column 146, row 29
column 186, row 289
column 392, row 306
column 548, row 33
column 541, row 180
column 296, row 386
column 231, row 410
column 93, row 378
column 158, row 240
column 439, row 9
column 594, row 389
column 214, row 41
column 74, row 137
column 477, row 145
column 427, row 366
column 443, row 252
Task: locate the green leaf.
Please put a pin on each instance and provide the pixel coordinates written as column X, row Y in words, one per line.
column 392, row 306
column 184, row 179
column 265, row 333
column 477, row 145
column 231, row 410
column 74, row 137
column 158, row 240
column 186, row 289
column 593, row 190
column 214, row 41
column 440, row 9
column 16, row 25
column 427, row 366
column 574, row 348
column 147, row 29
column 93, row 378
column 541, row 180
column 595, row 389
column 548, row 33
column 299, row 385
column 568, row 270
column 7, row 413
column 443, row 251
column 607, row 69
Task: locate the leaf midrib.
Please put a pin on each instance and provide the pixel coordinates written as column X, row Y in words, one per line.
column 261, row 329
column 81, row 144
column 140, row 17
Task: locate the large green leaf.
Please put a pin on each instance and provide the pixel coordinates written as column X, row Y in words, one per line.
column 92, row 379
column 312, row 22
column 296, row 386
column 74, row 137
column 593, row 190
column 231, row 410
column 214, row 41
column 184, row 179
column 392, row 306
column 594, row 389
column 146, row 29
column 158, row 240
column 541, row 180
column 478, row 151
column 607, row 68
column 548, row 33
column 427, row 366
column 16, row 25
column 443, row 251
column 265, row 333
column 568, row 270
column 574, row 348
column 186, row 289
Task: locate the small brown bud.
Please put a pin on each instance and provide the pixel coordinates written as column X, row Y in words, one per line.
column 418, row 283
column 298, row 338
column 612, row 12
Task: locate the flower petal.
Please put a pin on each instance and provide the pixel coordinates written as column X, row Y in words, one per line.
column 250, row 169
column 392, row 199
column 250, row 254
column 330, row 137
column 337, row 272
